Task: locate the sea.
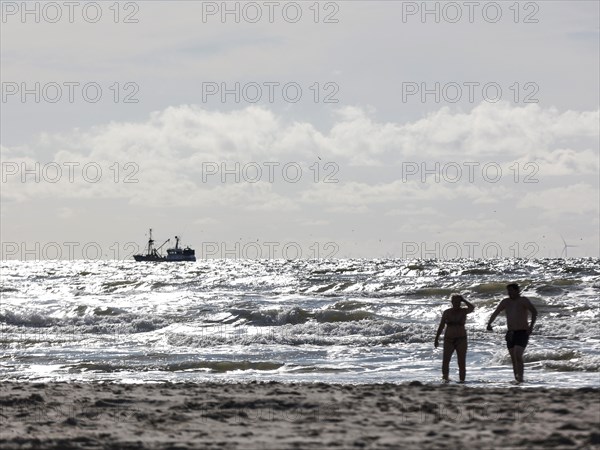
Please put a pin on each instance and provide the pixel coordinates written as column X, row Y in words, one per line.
column 333, row 321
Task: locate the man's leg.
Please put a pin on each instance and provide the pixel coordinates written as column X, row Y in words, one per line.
column 518, row 352
column 514, row 362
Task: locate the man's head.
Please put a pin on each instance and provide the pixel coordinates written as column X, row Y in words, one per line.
column 513, row 290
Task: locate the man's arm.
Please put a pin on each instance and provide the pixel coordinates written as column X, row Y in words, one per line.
column 499, row 309
column 534, row 314
column 440, row 329
column 470, row 307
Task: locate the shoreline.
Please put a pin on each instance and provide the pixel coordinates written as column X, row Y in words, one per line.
column 273, row 415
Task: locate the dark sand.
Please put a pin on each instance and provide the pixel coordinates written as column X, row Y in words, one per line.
column 302, row 416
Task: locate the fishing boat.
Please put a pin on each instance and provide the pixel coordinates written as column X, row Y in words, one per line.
column 173, row 254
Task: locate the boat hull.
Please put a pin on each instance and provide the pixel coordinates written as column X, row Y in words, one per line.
column 151, row 258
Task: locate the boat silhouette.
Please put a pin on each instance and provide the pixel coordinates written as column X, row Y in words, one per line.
column 173, row 254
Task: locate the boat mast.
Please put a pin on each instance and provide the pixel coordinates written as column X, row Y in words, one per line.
column 150, row 243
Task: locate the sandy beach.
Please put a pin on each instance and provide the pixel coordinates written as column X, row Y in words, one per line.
column 279, row 416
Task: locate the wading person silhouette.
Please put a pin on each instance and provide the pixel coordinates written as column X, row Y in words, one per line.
column 455, row 336
column 517, row 336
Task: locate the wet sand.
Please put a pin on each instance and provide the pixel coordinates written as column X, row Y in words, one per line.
column 301, row 416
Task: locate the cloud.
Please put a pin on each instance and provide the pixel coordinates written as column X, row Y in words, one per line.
column 159, row 161
column 580, row 198
column 567, row 161
column 357, row 196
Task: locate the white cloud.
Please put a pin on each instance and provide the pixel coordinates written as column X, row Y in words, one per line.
column 580, row 198
column 567, row 161
column 166, row 153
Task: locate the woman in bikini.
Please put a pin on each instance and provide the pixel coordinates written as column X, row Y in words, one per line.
column 455, row 337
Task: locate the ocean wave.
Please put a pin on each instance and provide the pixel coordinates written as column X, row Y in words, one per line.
column 434, row 292
column 347, row 305
column 113, row 321
column 297, row 315
column 550, row 355
column 35, row 319
column 549, row 290
column 558, row 328
column 272, row 317
column 589, row 364
column 223, row 366
column 486, row 271
column 8, row 289
column 558, row 360
column 332, row 315
column 491, row 288
column 358, row 333
column 180, row 366
column 112, row 286
column 108, row 311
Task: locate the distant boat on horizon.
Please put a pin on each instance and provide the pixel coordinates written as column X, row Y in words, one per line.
column 173, row 254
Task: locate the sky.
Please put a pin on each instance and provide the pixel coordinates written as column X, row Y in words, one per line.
column 346, row 129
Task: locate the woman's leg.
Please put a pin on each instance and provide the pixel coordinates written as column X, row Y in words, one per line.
column 461, row 353
column 448, row 349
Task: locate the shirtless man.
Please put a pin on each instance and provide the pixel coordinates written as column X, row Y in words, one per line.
column 516, row 308
column 455, row 337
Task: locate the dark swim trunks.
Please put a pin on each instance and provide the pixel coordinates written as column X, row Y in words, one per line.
column 517, row 337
